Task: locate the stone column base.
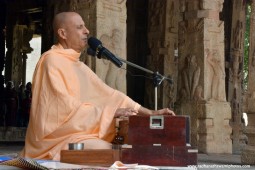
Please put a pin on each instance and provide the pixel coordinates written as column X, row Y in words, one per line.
column 214, row 129
column 248, row 155
column 210, row 128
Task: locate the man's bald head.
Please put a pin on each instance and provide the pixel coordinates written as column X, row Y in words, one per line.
column 61, row 19
column 70, row 30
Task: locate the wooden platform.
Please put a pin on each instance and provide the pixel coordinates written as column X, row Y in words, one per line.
column 98, row 157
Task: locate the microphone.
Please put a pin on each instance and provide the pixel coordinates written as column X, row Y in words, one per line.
column 91, row 52
column 97, row 47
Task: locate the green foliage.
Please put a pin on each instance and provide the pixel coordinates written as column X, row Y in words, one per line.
column 246, row 46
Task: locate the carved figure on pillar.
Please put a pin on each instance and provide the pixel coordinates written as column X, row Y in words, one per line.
column 238, row 35
column 182, row 34
column 109, row 73
column 191, row 75
column 114, row 76
column 156, row 18
column 171, row 16
column 217, row 74
column 182, row 6
column 102, row 71
column 235, row 71
column 198, row 96
column 235, row 106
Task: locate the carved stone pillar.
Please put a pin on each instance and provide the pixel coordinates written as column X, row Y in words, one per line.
column 163, row 44
column 248, row 154
column 235, row 67
column 201, row 79
column 111, row 30
column 21, row 37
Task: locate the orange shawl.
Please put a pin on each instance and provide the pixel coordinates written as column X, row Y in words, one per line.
column 69, row 104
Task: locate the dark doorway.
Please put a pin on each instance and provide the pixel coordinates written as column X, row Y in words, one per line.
column 137, row 47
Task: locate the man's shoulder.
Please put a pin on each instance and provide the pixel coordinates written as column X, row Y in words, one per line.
column 50, row 57
column 49, row 52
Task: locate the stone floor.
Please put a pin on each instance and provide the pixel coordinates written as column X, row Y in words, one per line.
column 205, row 161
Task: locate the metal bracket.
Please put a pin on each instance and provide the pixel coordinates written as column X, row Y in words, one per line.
column 156, row 122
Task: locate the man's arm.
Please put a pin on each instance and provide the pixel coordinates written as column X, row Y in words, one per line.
column 142, row 111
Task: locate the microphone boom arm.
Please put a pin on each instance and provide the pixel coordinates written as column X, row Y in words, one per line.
column 136, row 66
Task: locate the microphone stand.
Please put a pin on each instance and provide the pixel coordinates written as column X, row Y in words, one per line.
column 157, row 78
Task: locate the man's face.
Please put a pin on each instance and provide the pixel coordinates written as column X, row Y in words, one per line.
column 76, row 33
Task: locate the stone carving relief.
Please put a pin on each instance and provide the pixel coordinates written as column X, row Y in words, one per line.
column 235, row 105
column 77, row 5
column 195, row 26
column 182, row 6
column 236, row 68
column 216, row 74
column 113, row 5
column 106, row 40
column 190, row 80
column 156, row 17
column 171, row 16
column 239, row 3
column 191, row 30
column 21, row 37
column 238, row 35
column 182, row 35
column 198, row 95
column 108, row 72
column 214, row 5
column 170, row 93
column 220, row 4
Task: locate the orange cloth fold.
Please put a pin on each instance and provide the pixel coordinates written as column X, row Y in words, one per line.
column 69, row 104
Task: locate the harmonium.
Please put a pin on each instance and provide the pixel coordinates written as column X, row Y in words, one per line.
column 161, row 140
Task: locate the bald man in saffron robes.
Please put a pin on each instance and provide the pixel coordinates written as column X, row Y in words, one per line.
column 70, row 104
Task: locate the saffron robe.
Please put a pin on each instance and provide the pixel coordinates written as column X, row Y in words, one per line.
column 70, row 104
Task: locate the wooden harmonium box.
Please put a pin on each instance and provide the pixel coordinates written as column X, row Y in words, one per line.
column 159, row 141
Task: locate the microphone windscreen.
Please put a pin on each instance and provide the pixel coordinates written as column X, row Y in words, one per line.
column 91, row 52
column 94, row 43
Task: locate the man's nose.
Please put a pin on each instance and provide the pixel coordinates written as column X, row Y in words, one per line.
column 86, row 31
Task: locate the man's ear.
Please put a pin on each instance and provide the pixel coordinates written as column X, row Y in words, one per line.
column 62, row 33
